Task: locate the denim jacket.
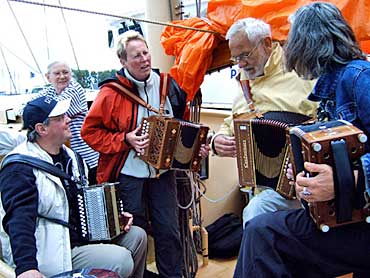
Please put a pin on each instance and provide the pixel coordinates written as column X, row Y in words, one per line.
column 344, row 93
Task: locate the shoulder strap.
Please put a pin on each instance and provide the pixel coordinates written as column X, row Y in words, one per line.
column 247, row 91
column 37, row 163
column 81, row 169
column 163, row 88
column 125, row 92
column 56, row 221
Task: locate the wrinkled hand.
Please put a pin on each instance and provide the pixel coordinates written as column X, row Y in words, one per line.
column 138, row 142
column 33, row 273
column 130, row 221
column 204, row 150
column 320, row 186
column 225, row 145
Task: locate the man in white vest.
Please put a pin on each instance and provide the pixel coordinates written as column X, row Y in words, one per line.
column 31, row 198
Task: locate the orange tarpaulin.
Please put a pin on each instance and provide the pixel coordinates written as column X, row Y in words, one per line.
column 193, row 49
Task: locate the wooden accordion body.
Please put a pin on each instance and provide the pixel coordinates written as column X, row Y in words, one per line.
column 100, row 211
column 262, row 153
column 312, row 143
column 173, row 144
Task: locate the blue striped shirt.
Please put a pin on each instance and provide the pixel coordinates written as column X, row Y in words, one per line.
column 77, row 112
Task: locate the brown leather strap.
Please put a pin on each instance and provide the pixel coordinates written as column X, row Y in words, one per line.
column 246, row 88
column 123, row 91
column 164, row 84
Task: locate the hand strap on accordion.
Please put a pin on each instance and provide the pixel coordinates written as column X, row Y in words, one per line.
column 125, row 92
column 344, row 181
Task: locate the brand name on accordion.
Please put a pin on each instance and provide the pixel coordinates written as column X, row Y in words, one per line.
column 245, row 156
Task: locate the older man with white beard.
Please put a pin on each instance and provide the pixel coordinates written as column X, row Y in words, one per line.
column 265, row 86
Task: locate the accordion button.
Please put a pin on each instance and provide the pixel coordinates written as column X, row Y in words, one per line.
column 174, row 131
column 316, row 147
column 324, row 228
column 362, row 138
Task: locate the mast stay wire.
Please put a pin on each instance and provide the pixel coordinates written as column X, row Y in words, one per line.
column 26, row 40
column 46, row 34
column 7, row 67
column 116, row 16
column 69, row 35
column 19, row 58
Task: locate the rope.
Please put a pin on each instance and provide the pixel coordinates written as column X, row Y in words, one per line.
column 192, row 192
column 7, row 67
column 184, row 193
column 216, row 200
column 25, row 39
column 69, row 35
column 116, row 16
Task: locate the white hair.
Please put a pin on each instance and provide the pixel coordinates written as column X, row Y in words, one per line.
column 254, row 28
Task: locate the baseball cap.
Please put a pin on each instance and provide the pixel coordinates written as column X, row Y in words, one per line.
column 39, row 109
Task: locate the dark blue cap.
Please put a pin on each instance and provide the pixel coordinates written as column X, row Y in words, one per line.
column 39, row 109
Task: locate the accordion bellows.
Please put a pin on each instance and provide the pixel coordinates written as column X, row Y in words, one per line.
column 173, row 144
column 262, row 153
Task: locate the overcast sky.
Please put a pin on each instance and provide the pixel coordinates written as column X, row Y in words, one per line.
column 47, row 35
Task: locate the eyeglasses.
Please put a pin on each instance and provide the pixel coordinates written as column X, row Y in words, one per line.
column 58, row 118
column 244, row 56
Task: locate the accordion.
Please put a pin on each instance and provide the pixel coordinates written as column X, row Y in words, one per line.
column 100, row 210
column 338, row 144
column 262, row 152
column 173, row 144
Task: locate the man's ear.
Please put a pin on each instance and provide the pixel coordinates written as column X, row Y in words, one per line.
column 41, row 129
column 267, row 42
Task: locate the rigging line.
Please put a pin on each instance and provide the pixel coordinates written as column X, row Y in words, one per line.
column 117, row 16
column 46, row 34
column 69, row 35
column 27, row 43
column 171, row 11
column 7, row 67
column 198, row 5
column 19, row 58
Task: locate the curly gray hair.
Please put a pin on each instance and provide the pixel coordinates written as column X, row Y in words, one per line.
column 319, row 39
